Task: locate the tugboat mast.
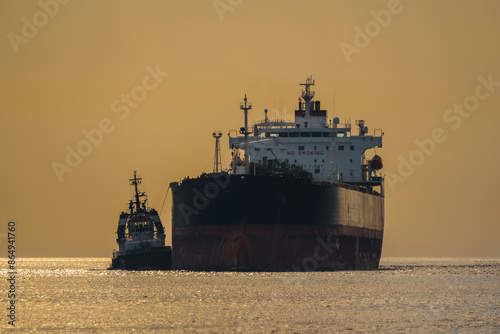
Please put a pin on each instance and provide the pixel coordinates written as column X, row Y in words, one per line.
column 246, row 106
column 135, row 182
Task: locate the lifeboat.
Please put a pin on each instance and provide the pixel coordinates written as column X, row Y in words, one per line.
column 376, row 163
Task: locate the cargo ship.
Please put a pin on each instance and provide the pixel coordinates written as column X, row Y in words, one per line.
column 297, row 195
column 141, row 236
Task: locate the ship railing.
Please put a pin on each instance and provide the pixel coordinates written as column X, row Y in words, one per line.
column 233, row 134
column 128, row 236
column 365, row 187
column 341, row 126
column 275, row 122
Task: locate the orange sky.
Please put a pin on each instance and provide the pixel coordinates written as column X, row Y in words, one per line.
column 69, row 68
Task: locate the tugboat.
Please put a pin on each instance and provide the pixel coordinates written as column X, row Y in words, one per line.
column 141, row 237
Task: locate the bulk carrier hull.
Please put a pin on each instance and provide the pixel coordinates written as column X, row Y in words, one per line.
column 249, row 222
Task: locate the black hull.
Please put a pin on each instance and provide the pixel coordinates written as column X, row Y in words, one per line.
column 274, row 223
column 270, row 248
column 152, row 259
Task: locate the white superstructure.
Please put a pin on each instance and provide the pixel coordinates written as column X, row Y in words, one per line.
column 330, row 152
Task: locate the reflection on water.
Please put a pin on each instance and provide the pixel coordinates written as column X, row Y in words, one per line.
column 407, row 294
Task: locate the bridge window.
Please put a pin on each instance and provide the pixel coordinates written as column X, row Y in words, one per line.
column 352, row 148
column 305, row 134
column 293, row 134
column 301, row 148
column 316, row 134
column 283, row 134
column 341, row 147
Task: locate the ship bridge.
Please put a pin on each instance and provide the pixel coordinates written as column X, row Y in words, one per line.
column 330, row 151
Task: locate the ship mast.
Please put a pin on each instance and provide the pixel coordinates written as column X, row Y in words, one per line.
column 135, row 182
column 246, row 106
column 307, row 95
column 217, row 157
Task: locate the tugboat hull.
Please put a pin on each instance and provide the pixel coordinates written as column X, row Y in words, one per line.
column 153, row 259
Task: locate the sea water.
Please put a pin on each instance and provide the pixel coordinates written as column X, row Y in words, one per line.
column 404, row 295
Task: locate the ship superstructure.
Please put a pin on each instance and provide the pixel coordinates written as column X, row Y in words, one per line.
column 291, row 187
column 330, row 152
